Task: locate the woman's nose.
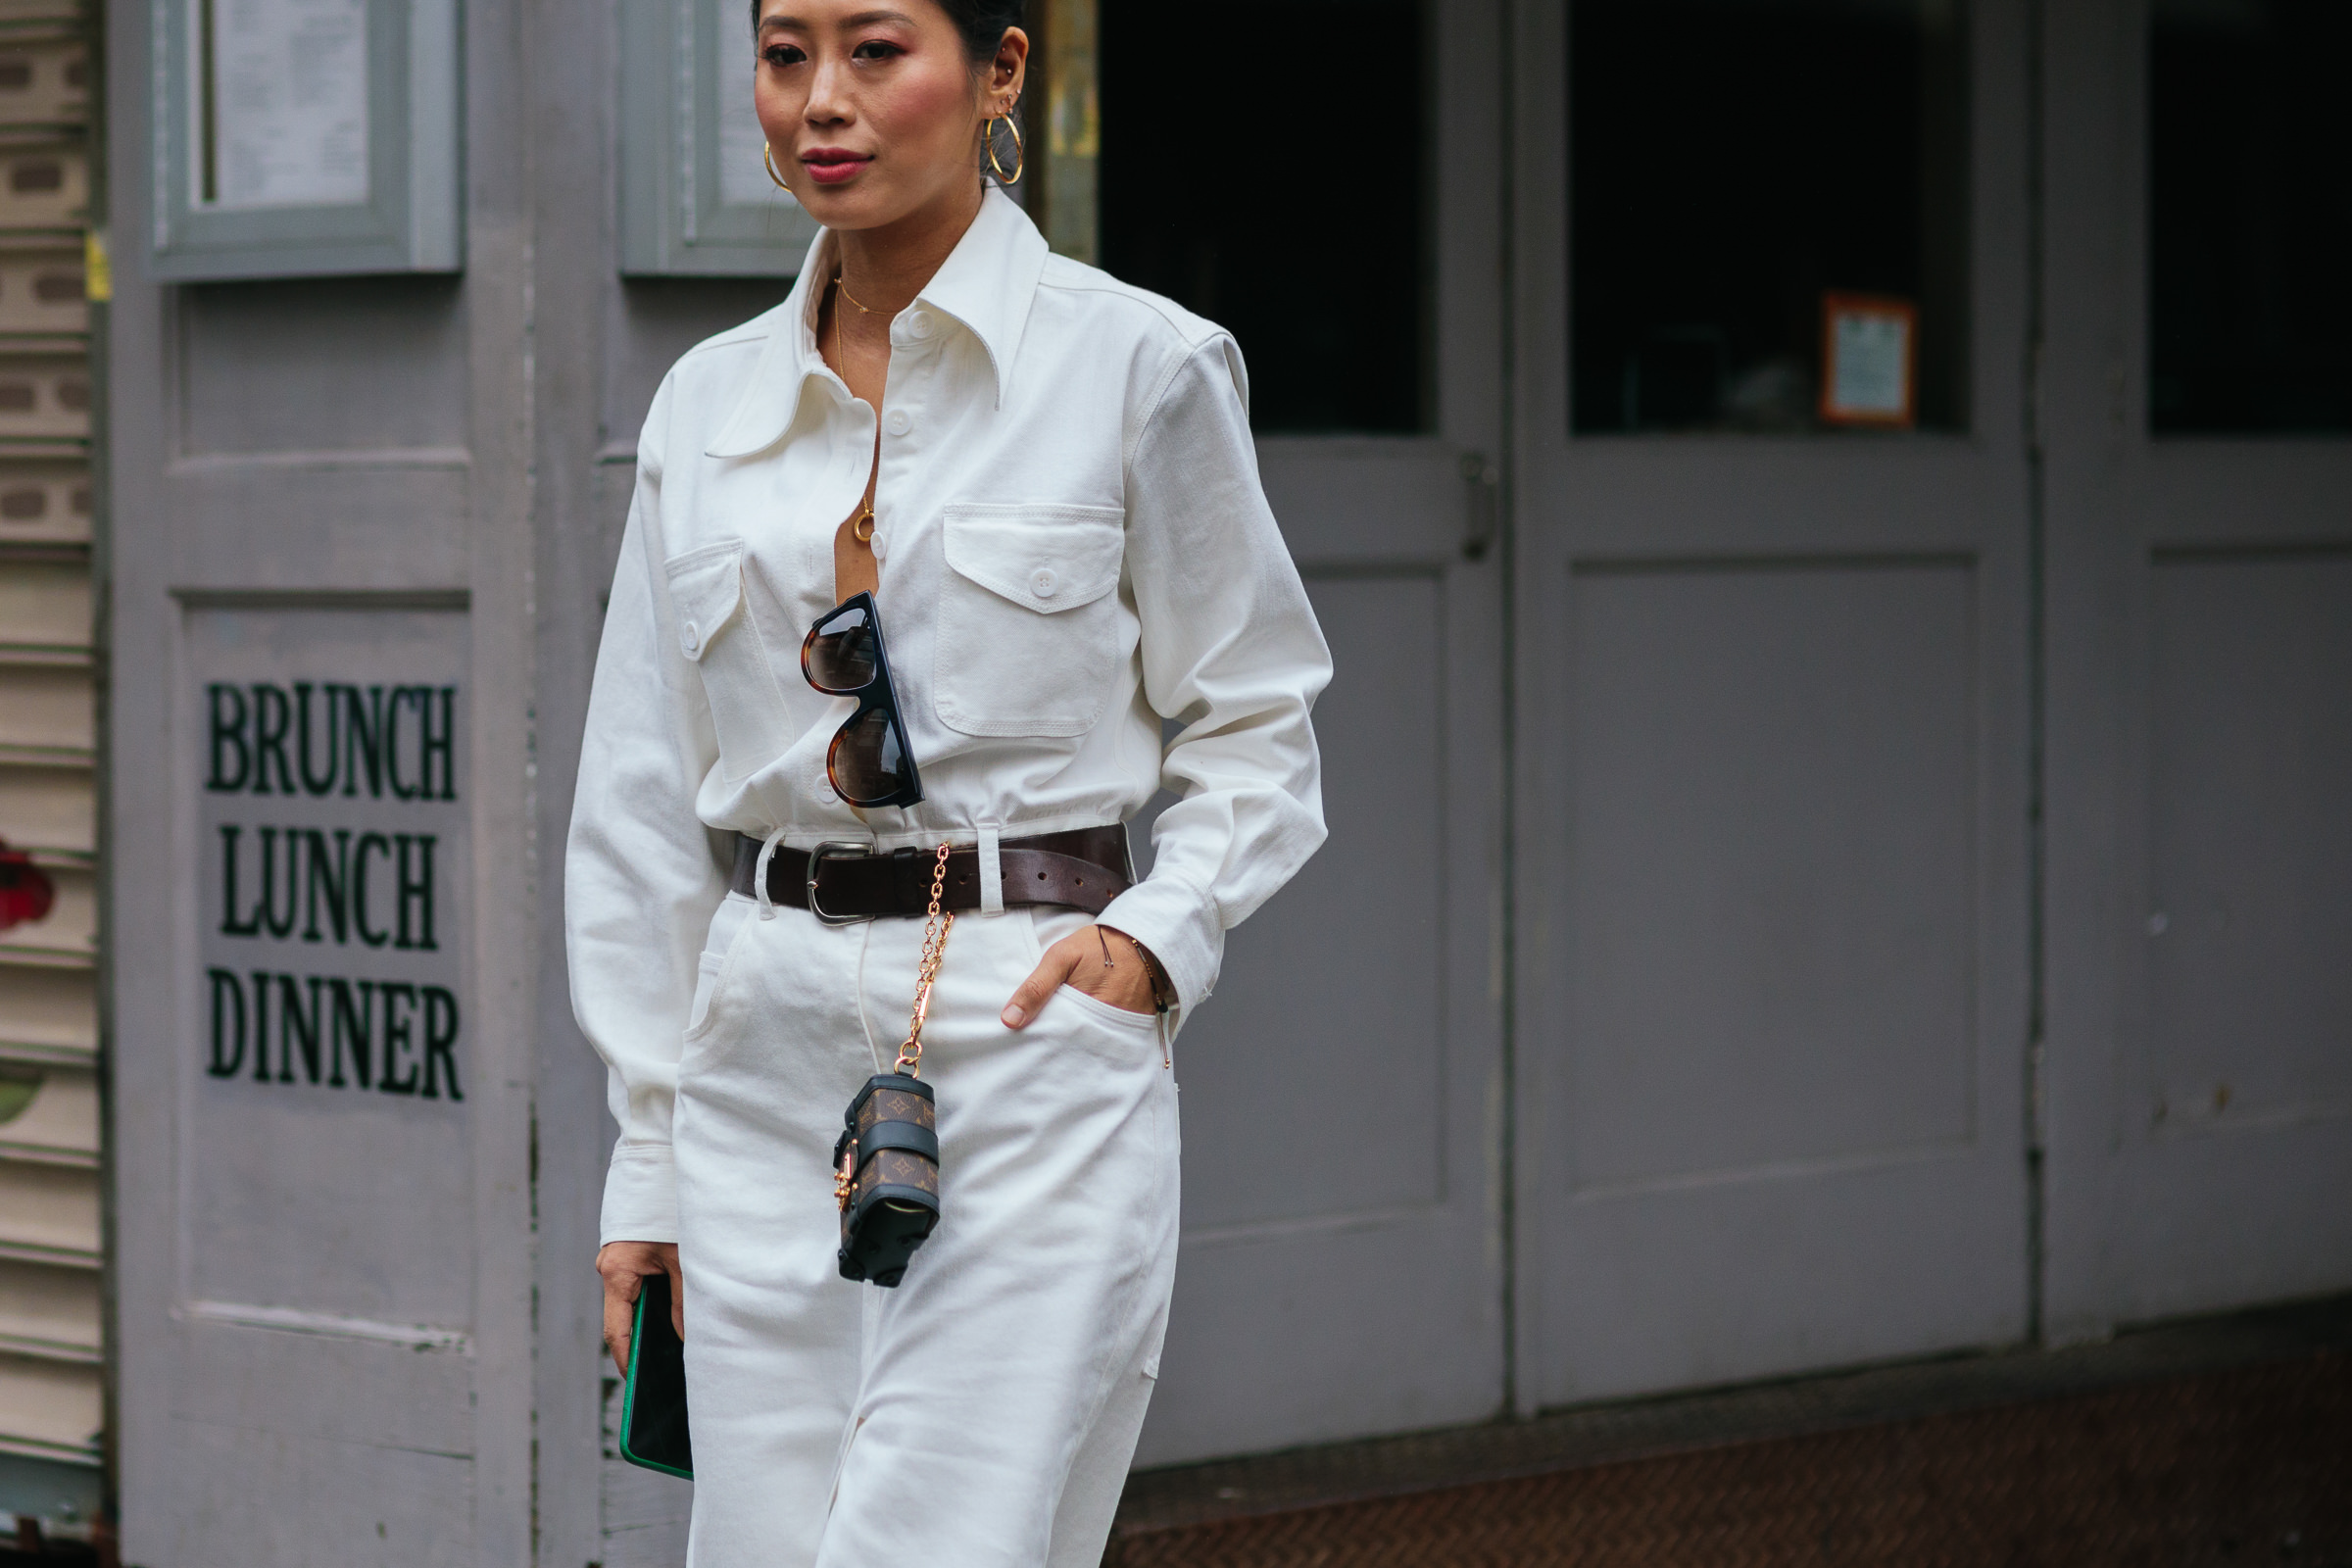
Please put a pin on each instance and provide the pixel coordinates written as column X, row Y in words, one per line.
column 828, row 97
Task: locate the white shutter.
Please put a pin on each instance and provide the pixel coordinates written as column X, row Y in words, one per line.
column 51, row 1327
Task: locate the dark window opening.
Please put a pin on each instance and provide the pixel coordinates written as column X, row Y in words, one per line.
column 1279, row 190
column 1744, row 176
column 2251, row 217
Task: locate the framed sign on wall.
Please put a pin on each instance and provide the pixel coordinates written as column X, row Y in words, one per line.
column 1869, row 361
column 306, row 137
column 694, row 197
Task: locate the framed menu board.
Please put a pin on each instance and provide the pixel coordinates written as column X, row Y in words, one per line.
column 306, row 137
column 695, row 198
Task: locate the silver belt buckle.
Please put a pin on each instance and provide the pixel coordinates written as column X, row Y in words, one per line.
column 816, row 864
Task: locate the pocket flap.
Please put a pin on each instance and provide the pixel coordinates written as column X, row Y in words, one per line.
column 1045, row 557
column 706, row 587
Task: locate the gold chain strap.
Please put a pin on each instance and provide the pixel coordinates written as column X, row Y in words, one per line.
column 935, row 942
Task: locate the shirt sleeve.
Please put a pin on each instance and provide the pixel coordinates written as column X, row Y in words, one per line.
column 640, row 874
column 1230, row 650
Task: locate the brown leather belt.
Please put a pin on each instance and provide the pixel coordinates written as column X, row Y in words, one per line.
column 1085, row 869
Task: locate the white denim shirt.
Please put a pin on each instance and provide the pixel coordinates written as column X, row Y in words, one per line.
column 1072, row 545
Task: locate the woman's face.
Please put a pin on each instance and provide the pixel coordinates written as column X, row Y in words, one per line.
column 871, row 108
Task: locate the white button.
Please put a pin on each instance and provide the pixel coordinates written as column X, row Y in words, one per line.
column 898, row 424
column 1043, row 582
column 824, row 790
column 690, row 638
column 918, row 325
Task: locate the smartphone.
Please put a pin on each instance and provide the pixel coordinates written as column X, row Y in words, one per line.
column 653, row 1408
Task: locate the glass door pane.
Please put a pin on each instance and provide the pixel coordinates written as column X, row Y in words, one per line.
column 2251, row 217
column 1759, row 191
column 1269, row 195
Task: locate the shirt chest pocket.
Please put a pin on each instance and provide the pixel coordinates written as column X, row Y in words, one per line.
column 1028, row 618
column 716, row 632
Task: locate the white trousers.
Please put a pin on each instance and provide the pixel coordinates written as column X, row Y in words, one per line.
column 985, row 1411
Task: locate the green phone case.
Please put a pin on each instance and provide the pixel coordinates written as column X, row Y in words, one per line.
column 653, row 1407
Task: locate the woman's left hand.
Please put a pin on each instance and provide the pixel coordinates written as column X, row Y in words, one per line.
column 1077, row 960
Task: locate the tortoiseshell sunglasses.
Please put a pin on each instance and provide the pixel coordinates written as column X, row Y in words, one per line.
column 869, row 763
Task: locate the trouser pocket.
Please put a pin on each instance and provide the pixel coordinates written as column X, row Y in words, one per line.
column 725, row 926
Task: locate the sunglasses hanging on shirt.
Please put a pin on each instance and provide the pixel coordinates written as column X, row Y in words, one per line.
column 869, row 763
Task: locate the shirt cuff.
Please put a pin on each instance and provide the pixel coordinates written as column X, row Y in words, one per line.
column 1181, row 926
column 641, row 1195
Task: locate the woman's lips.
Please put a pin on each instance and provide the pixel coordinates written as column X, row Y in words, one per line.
column 830, row 166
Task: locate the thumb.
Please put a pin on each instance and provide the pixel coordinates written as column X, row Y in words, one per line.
column 1044, row 980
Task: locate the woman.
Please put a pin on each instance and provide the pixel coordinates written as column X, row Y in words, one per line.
column 1045, row 480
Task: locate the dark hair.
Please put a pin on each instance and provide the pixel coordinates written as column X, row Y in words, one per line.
column 981, row 22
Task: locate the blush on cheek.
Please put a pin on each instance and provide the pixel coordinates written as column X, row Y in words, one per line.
column 778, row 111
column 927, row 111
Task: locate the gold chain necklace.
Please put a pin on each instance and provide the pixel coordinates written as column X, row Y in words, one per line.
column 841, row 282
column 861, row 526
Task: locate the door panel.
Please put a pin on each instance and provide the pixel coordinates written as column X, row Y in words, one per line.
column 1770, row 1032
column 1343, row 1268
column 1771, row 902
column 1383, row 737
column 2250, row 846
column 2200, row 589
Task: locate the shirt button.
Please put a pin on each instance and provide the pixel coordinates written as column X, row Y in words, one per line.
column 898, row 424
column 690, row 638
column 1043, row 582
column 918, row 325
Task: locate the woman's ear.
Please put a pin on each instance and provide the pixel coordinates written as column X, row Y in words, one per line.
column 1009, row 73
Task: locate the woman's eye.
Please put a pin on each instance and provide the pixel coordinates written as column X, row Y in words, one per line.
column 876, row 49
column 782, row 54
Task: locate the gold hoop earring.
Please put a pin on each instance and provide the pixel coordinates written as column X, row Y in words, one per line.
column 767, row 156
column 1020, row 150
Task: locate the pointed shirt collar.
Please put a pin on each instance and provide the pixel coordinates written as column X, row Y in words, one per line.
column 987, row 283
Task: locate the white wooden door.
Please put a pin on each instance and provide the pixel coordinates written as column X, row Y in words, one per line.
column 1770, row 1032
column 2200, row 1037
column 1342, row 1270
